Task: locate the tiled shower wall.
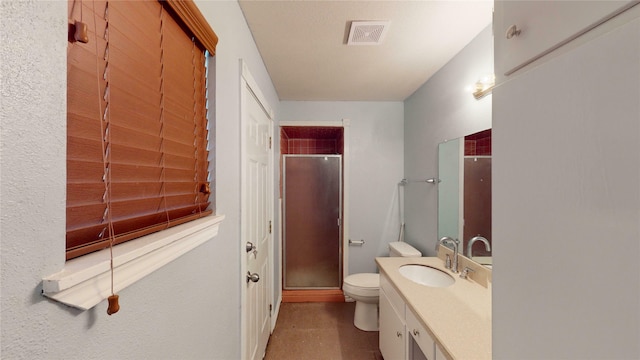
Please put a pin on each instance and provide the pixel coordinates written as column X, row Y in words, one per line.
column 310, row 140
column 310, row 144
column 478, row 144
column 313, row 146
column 284, row 143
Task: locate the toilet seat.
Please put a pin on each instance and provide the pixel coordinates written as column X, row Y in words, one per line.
column 367, row 284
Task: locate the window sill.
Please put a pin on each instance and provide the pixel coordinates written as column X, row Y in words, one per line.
column 86, row 281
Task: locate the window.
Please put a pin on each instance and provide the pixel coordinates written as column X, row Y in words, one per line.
column 137, row 159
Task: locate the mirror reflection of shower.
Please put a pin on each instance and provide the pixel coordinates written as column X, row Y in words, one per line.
column 464, row 196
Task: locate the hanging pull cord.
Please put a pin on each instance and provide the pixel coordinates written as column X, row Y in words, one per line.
column 106, row 154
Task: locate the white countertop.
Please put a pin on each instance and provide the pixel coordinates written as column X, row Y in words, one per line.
column 458, row 316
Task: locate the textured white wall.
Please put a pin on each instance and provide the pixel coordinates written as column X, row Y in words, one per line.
column 376, row 145
column 189, row 309
column 442, row 109
column 566, row 200
column 236, row 42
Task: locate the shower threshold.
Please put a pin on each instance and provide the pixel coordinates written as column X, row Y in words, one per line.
column 312, row 295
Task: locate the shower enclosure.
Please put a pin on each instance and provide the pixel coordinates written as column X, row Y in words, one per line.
column 312, row 199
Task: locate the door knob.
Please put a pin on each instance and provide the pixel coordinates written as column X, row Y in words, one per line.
column 252, row 277
column 250, row 246
column 512, row 31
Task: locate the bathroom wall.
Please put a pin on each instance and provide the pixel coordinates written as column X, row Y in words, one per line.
column 236, row 42
column 442, row 109
column 189, row 309
column 376, row 152
column 566, row 275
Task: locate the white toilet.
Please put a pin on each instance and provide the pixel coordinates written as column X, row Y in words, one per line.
column 364, row 289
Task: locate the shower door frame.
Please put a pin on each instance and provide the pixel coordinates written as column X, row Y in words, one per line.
column 340, row 219
column 345, row 124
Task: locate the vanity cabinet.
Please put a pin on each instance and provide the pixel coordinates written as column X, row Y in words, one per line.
column 542, row 25
column 439, row 353
column 419, row 322
column 393, row 343
column 402, row 336
column 392, row 331
column 421, row 337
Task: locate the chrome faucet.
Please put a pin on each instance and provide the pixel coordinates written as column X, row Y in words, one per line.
column 487, row 246
column 455, row 242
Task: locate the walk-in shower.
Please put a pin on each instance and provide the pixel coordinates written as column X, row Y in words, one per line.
column 312, row 209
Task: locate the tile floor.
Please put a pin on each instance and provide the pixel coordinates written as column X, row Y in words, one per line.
column 320, row 331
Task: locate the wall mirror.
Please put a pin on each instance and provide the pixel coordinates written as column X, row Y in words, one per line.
column 464, row 194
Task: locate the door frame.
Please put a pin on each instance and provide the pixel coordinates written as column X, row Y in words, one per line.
column 345, row 125
column 247, row 80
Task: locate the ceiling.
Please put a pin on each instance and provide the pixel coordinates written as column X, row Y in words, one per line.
column 304, row 45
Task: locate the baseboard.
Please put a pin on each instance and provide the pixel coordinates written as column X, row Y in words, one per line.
column 275, row 313
column 291, row 296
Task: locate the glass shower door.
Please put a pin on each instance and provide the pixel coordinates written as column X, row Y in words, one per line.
column 477, row 201
column 312, row 187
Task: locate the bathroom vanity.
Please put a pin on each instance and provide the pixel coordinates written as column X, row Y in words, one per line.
column 424, row 322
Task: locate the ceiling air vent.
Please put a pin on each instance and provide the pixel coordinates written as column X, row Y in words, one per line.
column 367, row 32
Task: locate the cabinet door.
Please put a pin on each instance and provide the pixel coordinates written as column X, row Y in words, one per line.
column 392, row 331
column 542, row 25
column 415, row 353
column 393, row 296
column 440, row 354
column 420, row 335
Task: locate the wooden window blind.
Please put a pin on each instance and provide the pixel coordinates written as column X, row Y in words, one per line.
column 137, row 158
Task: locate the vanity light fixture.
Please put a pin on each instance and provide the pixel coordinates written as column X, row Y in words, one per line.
column 484, row 86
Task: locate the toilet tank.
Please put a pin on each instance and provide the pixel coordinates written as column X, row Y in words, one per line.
column 402, row 249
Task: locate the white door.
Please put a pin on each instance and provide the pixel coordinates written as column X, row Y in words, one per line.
column 256, row 220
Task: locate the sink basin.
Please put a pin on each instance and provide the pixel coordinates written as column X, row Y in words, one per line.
column 426, row 275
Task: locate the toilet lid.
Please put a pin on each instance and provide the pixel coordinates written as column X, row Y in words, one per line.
column 366, row 280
